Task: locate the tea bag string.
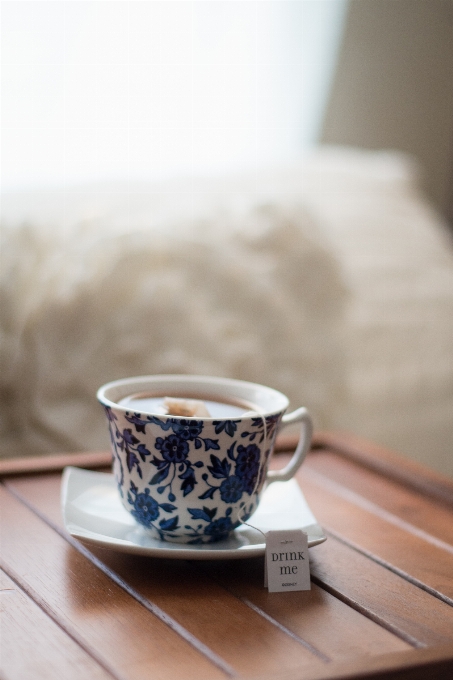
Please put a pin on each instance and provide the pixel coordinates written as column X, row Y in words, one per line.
column 246, row 524
column 251, row 526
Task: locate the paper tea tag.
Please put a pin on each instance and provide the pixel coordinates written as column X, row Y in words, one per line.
column 286, row 565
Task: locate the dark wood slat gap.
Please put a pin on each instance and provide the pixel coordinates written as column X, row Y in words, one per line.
column 388, row 596
column 286, row 630
column 150, row 606
column 369, row 614
column 428, row 563
column 387, row 565
column 354, row 498
column 387, row 463
column 53, row 650
column 391, row 628
column 66, row 628
column 349, row 602
column 260, row 612
column 362, row 502
column 410, row 506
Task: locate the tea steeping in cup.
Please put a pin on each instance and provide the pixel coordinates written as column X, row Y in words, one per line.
column 187, row 405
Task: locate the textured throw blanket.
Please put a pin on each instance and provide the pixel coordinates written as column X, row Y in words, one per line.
column 331, row 280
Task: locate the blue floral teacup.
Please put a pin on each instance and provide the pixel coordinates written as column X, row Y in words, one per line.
column 195, row 478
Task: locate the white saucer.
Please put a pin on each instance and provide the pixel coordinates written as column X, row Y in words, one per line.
column 93, row 513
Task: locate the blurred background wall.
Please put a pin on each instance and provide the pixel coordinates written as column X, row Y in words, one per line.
column 393, row 86
column 138, row 90
column 142, row 90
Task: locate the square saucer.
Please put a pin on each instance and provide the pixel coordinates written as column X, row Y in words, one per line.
column 94, row 514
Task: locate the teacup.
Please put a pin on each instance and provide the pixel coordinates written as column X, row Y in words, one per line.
column 194, row 479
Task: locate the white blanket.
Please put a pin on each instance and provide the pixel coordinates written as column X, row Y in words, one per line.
column 331, row 280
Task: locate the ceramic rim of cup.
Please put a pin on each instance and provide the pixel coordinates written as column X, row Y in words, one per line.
column 220, row 388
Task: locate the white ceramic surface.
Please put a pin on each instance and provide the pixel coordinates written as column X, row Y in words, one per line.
column 94, row 514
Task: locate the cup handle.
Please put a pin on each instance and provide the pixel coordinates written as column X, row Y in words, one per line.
column 300, row 415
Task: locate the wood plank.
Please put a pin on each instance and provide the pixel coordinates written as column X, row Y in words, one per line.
column 359, row 593
column 424, row 559
column 336, row 630
column 383, row 595
column 340, row 631
column 423, row 512
column 187, row 595
column 33, row 647
column 332, row 565
column 387, row 463
column 54, row 462
column 200, row 606
column 248, row 641
column 396, row 604
column 119, row 631
column 399, row 603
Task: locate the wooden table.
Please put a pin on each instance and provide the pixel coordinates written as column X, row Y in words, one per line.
column 380, row 606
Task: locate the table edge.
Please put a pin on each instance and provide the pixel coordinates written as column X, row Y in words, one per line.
column 358, row 450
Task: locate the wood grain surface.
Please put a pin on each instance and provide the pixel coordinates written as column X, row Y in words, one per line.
column 399, row 545
column 24, row 621
column 381, row 602
column 243, row 582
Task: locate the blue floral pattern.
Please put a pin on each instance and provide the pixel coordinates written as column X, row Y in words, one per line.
column 174, row 452
column 146, row 511
column 247, row 466
column 158, row 467
column 126, row 441
column 228, row 426
column 263, row 427
column 243, row 480
column 215, row 529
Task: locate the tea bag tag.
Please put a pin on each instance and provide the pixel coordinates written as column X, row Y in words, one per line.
column 286, row 565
